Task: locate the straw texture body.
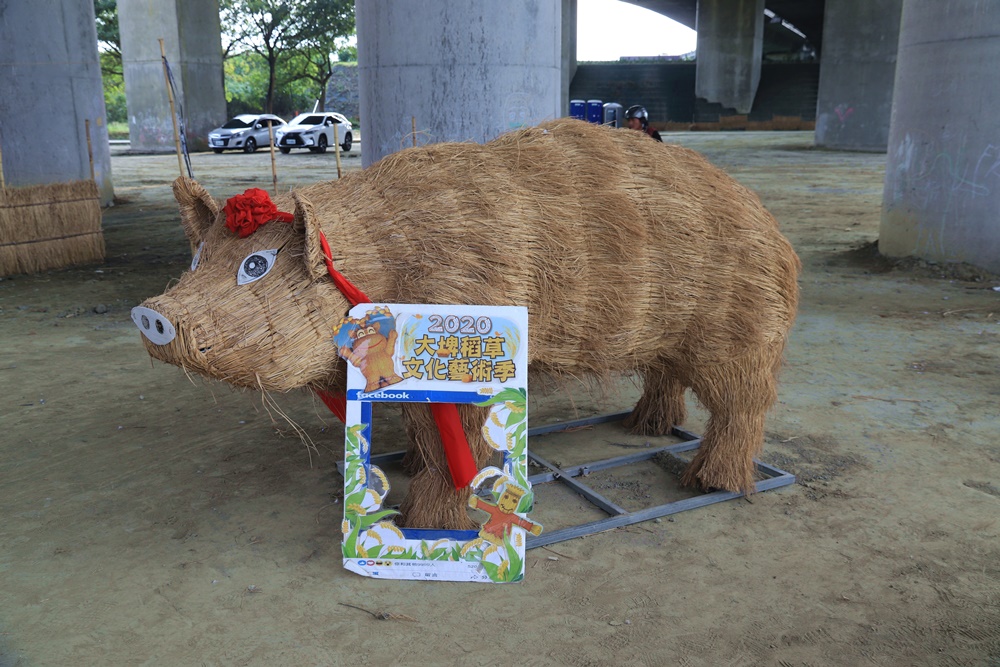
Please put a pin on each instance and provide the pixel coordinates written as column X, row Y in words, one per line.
column 632, row 257
column 49, row 226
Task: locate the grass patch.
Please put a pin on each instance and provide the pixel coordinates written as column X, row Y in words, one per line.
column 118, row 130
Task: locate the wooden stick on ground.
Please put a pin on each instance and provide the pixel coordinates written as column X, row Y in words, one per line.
column 336, row 147
column 274, row 169
column 90, row 148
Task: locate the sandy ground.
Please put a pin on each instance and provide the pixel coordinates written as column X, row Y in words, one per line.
column 148, row 519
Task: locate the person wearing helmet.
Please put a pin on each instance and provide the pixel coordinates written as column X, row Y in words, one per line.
column 638, row 119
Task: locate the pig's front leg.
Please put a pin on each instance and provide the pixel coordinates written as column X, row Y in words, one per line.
column 432, row 501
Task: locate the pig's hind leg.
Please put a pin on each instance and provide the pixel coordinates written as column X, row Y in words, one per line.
column 432, row 501
column 661, row 406
column 737, row 394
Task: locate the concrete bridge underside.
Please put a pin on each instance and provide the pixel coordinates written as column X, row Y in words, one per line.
column 867, row 100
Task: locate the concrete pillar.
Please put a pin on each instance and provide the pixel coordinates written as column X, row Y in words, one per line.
column 50, row 76
column 942, row 181
column 569, row 14
column 729, row 51
column 465, row 71
column 856, row 73
column 191, row 36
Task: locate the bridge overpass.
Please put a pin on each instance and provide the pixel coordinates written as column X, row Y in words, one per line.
column 911, row 77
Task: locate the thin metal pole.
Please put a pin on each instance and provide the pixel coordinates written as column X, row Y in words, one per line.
column 173, row 114
column 413, row 124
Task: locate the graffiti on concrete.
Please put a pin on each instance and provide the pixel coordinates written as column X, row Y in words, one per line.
column 941, row 181
column 517, row 111
column 843, row 111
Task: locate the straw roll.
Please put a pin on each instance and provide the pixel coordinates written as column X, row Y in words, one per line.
column 49, row 226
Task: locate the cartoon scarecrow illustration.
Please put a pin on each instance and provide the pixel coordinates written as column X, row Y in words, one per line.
column 502, row 515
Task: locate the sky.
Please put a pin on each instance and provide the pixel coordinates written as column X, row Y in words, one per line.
column 609, row 29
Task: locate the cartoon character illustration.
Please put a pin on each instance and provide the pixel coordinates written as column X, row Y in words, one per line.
column 502, row 515
column 368, row 344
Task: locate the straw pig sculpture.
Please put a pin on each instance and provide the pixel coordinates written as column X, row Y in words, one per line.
column 632, row 257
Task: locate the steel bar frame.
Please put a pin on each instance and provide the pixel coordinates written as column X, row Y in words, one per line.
column 773, row 478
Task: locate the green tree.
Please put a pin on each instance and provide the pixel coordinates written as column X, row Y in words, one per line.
column 278, row 52
column 264, row 27
column 348, row 54
column 328, row 23
column 246, row 81
column 110, row 54
column 283, row 31
column 108, row 36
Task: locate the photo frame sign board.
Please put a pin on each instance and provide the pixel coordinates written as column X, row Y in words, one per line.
column 438, row 354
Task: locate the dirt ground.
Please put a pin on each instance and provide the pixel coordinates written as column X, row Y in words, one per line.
column 153, row 519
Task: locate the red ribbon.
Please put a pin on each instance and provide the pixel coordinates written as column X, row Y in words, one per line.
column 336, row 402
column 461, row 465
column 353, row 295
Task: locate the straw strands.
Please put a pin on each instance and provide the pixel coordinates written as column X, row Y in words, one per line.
column 49, row 226
column 632, row 257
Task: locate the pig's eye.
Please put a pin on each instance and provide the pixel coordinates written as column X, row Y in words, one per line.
column 255, row 266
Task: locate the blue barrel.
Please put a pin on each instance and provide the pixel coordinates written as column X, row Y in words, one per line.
column 578, row 109
column 595, row 111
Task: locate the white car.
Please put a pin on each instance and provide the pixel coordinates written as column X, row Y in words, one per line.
column 315, row 132
column 244, row 132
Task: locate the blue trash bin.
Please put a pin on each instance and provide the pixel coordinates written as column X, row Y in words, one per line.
column 578, row 109
column 613, row 114
column 595, row 111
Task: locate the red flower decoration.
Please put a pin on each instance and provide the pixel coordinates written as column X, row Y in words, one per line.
column 248, row 211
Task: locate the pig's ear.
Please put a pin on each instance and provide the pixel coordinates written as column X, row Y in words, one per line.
column 307, row 224
column 198, row 209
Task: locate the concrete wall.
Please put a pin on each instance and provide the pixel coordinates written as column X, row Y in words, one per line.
column 729, row 51
column 667, row 90
column 857, row 70
column 465, row 71
column 50, row 78
column 190, row 31
column 942, row 182
column 569, row 64
column 342, row 93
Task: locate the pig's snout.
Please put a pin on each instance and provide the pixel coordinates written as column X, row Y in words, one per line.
column 155, row 327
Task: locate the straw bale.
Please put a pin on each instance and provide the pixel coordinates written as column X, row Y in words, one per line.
column 632, row 257
column 736, row 121
column 49, row 226
column 787, row 123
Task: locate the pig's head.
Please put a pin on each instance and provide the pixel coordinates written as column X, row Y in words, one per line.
column 257, row 311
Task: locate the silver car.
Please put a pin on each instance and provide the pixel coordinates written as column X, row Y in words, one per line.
column 315, row 132
column 244, row 132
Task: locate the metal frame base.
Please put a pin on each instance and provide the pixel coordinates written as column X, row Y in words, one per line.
column 773, row 478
